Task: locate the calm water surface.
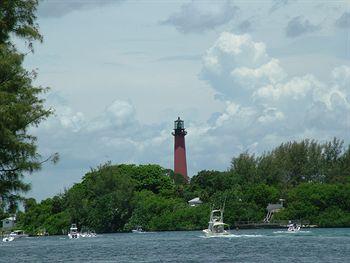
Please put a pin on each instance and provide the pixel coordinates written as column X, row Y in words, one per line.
column 313, row 245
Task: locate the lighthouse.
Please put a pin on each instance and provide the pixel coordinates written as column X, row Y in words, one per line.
column 179, row 133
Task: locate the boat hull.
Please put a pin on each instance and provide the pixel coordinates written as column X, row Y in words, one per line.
column 293, row 228
column 73, row 236
column 209, row 233
column 8, row 239
column 137, row 231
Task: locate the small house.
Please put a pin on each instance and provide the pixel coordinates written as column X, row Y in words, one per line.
column 195, row 201
column 9, row 222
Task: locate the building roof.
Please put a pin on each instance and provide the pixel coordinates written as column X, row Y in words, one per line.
column 195, row 201
column 11, row 218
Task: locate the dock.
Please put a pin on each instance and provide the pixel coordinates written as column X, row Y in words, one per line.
column 268, row 225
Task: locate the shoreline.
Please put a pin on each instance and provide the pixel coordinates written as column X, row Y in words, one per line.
column 198, row 230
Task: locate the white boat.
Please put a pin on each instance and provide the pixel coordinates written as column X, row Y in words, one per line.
column 18, row 234
column 92, row 234
column 88, row 234
column 216, row 225
column 8, row 239
column 73, row 232
column 138, row 230
column 14, row 235
column 293, row 228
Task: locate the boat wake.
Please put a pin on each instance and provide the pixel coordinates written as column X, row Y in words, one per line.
column 232, row 236
column 291, row 232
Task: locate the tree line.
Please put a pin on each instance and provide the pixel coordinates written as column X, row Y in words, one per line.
column 312, row 177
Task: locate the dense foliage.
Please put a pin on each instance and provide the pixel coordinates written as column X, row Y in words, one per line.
column 18, row 17
column 313, row 178
column 20, row 104
column 116, row 198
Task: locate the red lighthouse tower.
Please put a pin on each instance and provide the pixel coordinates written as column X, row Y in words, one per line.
column 180, row 165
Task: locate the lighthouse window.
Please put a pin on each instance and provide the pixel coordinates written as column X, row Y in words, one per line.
column 179, row 124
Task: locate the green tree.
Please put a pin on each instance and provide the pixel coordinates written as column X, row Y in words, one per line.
column 18, row 17
column 20, row 105
column 244, row 168
column 211, row 182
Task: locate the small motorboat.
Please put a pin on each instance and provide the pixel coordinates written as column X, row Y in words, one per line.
column 88, row 234
column 18, row 234
column 8, row 239
column 216, row 225
column 73, row 232
column 293, row 228
column 93, row 233
column 14, row 235
column 138, row 229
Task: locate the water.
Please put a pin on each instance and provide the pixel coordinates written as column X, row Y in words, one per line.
column 313, row 245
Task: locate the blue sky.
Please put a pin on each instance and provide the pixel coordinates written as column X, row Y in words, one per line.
column 244, row 75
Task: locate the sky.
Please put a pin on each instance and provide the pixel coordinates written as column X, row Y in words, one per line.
column 244, row 75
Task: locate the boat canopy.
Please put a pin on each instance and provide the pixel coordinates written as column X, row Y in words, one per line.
column 18, row 231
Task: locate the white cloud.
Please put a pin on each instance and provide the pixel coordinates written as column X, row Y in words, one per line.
column 64, row 116
column 269, row 72
column 71, row 120
column 270, row 115
column 119, row 115
column 235, row 65
column 341, row 79
column 295, row 89
column 264, row 106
